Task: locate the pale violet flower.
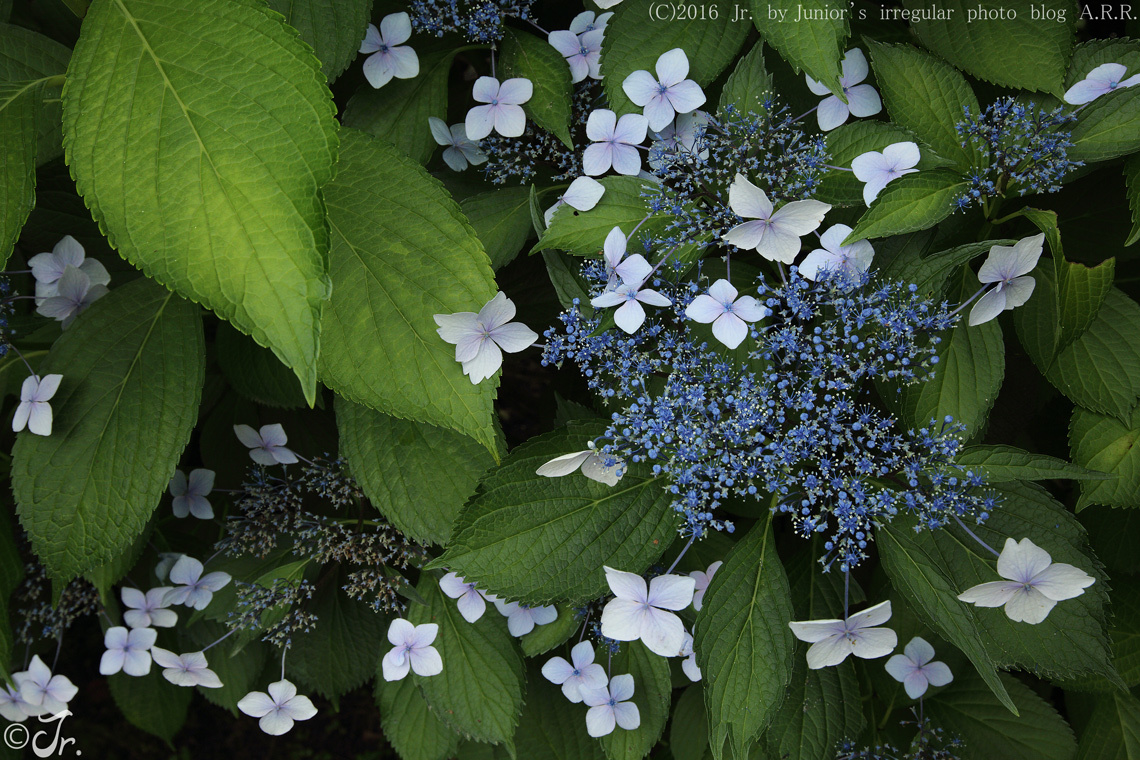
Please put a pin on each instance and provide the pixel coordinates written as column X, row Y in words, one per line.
column 876, row 169
column 502, row 111
column 412, row 650
column 267, row 445
column 1105, row 78
column 278, row 709
column 774, row 234
column 13, row 708
column 669, row 94
column 592, row 464
column 1007, row 268
column 729, row 313
column 851, row 260
column 190, row 669
column 690, row 667
column 646, row 612
column 580, row 673
column 521, row 618
column 617, row 266
column 74, row 293
column 41, row 692
column 582, row 195
column 472, row 602
column 147, row 610
column 190, row 494
column 629, row 295
column 191, row 587
column 460, row 151
column 614, row 143
column 702, row 579
column 48, row 268
column 166, row 561
column 127, row 650
column 478, row 338
column 587, row 22
column 833, row 640
column 34, row 411
column 915, row 669
column 610, row 706
column 862, row 99
column 388, row 59
column 1033, row 586
column 582, row 51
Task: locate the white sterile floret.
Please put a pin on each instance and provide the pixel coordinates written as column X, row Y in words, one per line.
column 478, row 338
column 190, row 493
column 690, row 667
column 191, row 587
column 582, row 51
column 13, row 708
column 1007, row 268
column 411, row 650
column 522, row 618
column 610, row 706
column 1033, row 586
column 645, row 612
column 614, row 142
column 388, row 60
column 592, row 464
column 587, row 22
column 702, row 579
column 582, row 195
column 862, row 99
column 670, row 93
column 876, row 169
column 48, row 268
column 267, row 445
column 630, row 294
column 472, row 602
column 42, row 693
column 74, row 293
column 774, row 234
column 190, row 669
column 502, row 110
column 917, row 670
column 729, row 313
column 34, row 411
column 1105, row 78
column 460, row 149
column 833, row 640
column 851, row 260
column 278, row 709
column 580, row 673
column 127, row 650
column 147, row 610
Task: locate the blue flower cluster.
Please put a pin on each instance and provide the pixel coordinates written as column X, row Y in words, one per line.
column 7, row 309
column 931, row 743
column 522, row 158
column 1026, row 148
column 788, row 421
column 770, row 148
column 479, row 21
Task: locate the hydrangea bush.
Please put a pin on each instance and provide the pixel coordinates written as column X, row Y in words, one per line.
column 543, row 381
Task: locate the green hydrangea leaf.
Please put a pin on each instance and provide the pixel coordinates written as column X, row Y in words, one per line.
column 334, row 28
column 813, row 43
column 652, row 692
column 524, row 55
column 1104, row 443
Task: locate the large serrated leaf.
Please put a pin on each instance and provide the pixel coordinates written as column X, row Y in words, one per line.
column 551, row 730
column 409, row 725
column 813, row 44
column 390, row 277
column 927, row 96
column 743, row 643
column 1110, row 125
column 1104, row 443
column 255, row 372
column 480, row 691
column 622, row 205
column 133, row 366
column 749, row 85
column 638, row 34
column 914, row 202
column 1029, row 51
column 524, row 55
column 501, row 219
column 19, row 113
column 1000, row 463
column 200, row 136
column 25, row 56
column 846, row 142
column 1132, row 180
column 419, row 476
column 1113, row 729
column 535, row 539
column 150, row 702
column 333, row 27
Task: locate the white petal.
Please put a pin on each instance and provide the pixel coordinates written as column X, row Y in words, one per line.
column 601, row 124
column 900, row 667
column 640, row 87
column 395, row 28
column 622, row 620
column 186, row 570
column 300, row 708
column 514, row 337
column 779, row 245
column 584, row 193
column 600, row 721
column 480, row 121
column 915, row 684
column 485, row 364
column 439, row 130
column 565, row 42
column 690, row 668
column 863, row 100
column 817, row 260
column 813, row 631
column 426, row 661
column 484, row 90
column 1085, row 91
column 630, row 316
column 659, row 111
column 471, row 606
column 875, row 642
column 671, row 592
column 831, row 651
column 627, row 715
column 520, row 623
column 136, row 663
column 276, row 723
column 919, row 651
column 1018, row 290
column 730, row 330
column 988, row 307
column 800, row 217
column 672, row 67
column 626, row 159
column 747, row 200
column 597, row 158
column 938, row 673
column 902, row 155
column 831, row 113
column 564, row 465
column 394, row 665
column 39, row 418
column 377, row 70
column 854, row 67
column 663, row 632
column 685, row 97
column 510, row 120
column 993, row 594
column 404, row 62
column 1021, row 561
column 704, row 308
column 557, row 670
column 595, row 468
column 1028, row 605
column 516, row 91
column 455, row 159
column 112, row 661
column 1061, row 581
column 872, row 616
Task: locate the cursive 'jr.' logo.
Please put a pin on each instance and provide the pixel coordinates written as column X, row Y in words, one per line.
column 45, row 743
